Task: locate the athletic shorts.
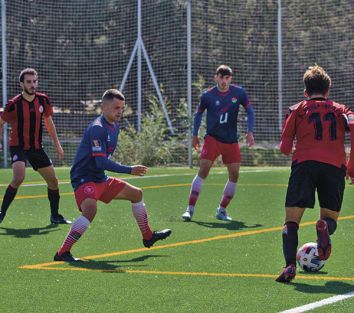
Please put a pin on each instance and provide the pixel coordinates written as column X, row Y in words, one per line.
column 36, row 157
column 307, row 177
column 105, row 191
column 212, row 148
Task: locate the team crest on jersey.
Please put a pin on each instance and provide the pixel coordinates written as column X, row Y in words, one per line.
column 234, row 100
column 41, row 109
column 88, row 190
column 15, row 158
column 217, row 102
column 96, row 147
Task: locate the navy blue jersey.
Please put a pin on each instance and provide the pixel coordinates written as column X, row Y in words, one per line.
column 222, row 112
column 100, row 140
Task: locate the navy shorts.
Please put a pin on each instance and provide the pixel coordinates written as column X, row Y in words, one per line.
column 310, row 176
column 36, row 157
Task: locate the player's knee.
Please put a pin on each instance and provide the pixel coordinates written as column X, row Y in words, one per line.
column 138, row 195
column 17, row 181
column 89, row 212
column 331, row 224
column 53, row 183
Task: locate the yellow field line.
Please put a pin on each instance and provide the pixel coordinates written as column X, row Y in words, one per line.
column 179, row 244
column 203, row 274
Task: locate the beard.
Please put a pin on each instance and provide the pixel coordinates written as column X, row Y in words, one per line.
column 31, row 91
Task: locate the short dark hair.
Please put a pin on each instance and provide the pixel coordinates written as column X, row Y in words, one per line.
column 316, row 80
column 224, row 70
column 110, row 94
column 27, row 71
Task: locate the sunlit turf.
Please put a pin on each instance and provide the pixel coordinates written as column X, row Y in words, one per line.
column 205, row 266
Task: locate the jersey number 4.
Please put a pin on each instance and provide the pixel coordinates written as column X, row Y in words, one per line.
column 315, row 118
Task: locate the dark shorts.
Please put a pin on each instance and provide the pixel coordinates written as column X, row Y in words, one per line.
column 212, row 148
column 309, row 176
column 105, row 191
column 36, row 157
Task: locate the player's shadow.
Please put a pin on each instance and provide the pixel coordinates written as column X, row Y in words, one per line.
column 114, row 266
column 232, row 225
column 28, row 232
column 330, row 287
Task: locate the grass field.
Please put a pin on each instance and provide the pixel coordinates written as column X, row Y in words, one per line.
column 205, row 266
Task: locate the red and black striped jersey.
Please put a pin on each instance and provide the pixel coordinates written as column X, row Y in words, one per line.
column 26, row 120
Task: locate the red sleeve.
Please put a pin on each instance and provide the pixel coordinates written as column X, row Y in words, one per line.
column 288, row 134
column 350, row 165
column 48, row 109
column 9, row 112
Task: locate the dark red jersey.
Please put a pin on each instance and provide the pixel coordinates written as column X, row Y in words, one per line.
column 26, row 120
column 318, row 126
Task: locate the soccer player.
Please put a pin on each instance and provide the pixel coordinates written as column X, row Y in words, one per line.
column 91, row 184
column 318, row 125
column 25, row 113
column 222, row 103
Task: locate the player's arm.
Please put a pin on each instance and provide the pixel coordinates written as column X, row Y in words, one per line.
column 198, row 116
column 350, row 165
column 288, row 134
column 250, row 119
column 98, row 137
column 52, row 131
column 2, row 123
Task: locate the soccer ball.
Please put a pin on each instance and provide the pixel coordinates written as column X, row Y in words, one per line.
column 307, row 258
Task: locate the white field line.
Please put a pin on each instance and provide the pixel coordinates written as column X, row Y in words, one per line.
column 318, row 304
column 154, row 176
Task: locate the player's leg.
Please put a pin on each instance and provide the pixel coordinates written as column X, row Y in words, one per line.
column 196, row 188
column 300, row 195
column 207, row 157
column 86, row 198
column 50, row 178
column 231, row 157
column 293, row 217
column 125, row 191
column 18, row 176
column 330, row 195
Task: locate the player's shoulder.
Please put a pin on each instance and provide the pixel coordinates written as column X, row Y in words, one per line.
column 42, row 95
column 209, row 91
column 237, row 90
column 298, row 106
column 15, row 99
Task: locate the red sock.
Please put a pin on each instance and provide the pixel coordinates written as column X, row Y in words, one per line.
column 77, row 229
column 140, row 214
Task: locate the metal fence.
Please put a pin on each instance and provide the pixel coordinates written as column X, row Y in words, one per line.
column 170, row 49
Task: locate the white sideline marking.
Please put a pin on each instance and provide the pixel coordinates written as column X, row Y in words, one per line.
column 155, row 176
column 320, row 303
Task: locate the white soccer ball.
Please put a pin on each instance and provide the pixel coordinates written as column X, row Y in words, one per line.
column 307, row 258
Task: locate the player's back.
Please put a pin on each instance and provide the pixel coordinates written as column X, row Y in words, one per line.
column 320, row 131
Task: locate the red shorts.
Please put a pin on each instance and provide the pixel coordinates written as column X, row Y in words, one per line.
column 212, row 148
column 105, row 191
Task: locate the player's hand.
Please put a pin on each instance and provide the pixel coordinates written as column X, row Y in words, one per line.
column 250, row 139
column 139, row 170
column 60, row 152
column 195, row 143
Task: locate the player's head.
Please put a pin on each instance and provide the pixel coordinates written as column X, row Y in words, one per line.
column 316, row 81
column 223, row 77
column 113, row 102
column 29, row 81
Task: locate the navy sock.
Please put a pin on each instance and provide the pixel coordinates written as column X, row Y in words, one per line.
column 290, row 242
column 10, row 194
column 53, row 197
column 331, row 224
